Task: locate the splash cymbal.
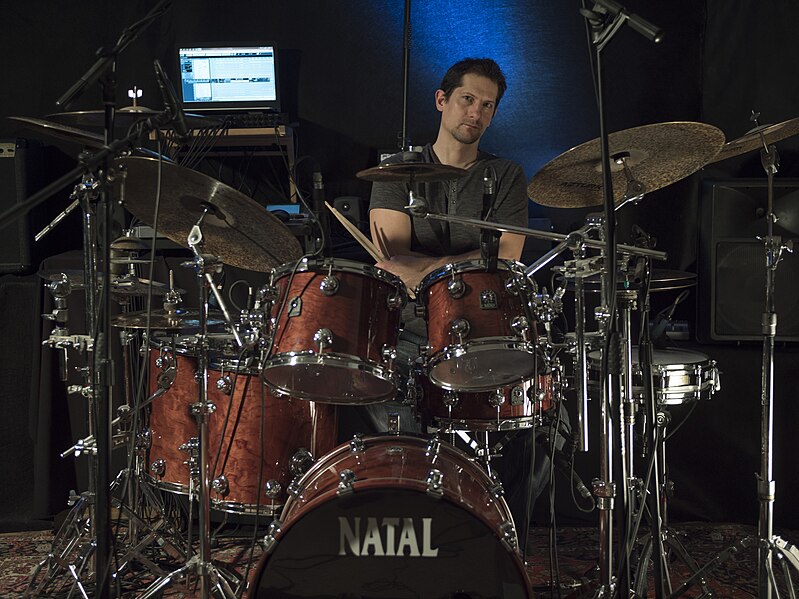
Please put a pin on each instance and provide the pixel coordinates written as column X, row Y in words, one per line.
column 405, row 171
column 751, row 141
column 235, row 228
column 657, row 155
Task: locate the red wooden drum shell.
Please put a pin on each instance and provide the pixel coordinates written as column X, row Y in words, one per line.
column 492, row 353
column 255, row 436
column 522, row 406
column 359, row 306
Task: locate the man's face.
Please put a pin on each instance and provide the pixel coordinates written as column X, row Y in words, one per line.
column 469, row 110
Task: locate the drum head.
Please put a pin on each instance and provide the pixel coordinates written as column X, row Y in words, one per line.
column 329, row 379
column 389, row 543
column 482, row 366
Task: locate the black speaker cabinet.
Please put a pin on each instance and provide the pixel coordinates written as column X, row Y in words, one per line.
column 20, row 169
column 732, row 264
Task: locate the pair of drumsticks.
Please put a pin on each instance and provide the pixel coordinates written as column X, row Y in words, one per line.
column 374, row 252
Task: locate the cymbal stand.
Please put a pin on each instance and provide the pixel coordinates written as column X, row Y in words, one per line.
column 769, row 545
column 212, row 579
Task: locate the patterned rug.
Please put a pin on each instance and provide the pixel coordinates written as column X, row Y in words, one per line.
column 576, row 556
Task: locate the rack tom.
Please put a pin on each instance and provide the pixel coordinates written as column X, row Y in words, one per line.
column 335, row 329
column 480, row 326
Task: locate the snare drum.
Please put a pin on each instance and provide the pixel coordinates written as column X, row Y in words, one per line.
column 678, row 376
column 255, row 437
column 336, row 324
column 480, row 329
column 392, row 516
column 507, row 408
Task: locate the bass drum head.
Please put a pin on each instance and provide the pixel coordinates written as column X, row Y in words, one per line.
column 453, row 552
column 390, row 533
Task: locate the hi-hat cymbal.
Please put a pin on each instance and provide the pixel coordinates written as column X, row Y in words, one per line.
column 61, row 131
column 122, row 285
column 164, row 321
column 124, row 118
column 237, row 229
column 751, row 141
column 662, row 279
column 405, row 171
column 657, row 155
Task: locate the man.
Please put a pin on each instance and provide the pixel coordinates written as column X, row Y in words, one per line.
column 468, row 99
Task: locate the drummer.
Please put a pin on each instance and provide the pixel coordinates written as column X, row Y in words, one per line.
column 468, row 98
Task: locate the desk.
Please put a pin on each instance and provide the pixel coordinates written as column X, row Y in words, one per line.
column 263, row 141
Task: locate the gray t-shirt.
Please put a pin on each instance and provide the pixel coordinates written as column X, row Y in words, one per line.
column 462, row 197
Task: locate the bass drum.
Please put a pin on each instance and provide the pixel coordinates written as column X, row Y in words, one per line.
column 393, row 516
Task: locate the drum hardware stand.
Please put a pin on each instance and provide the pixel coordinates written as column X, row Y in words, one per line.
column 669, row 543
column 212, row 579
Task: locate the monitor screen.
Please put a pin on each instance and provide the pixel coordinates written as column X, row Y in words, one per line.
column 228, row 77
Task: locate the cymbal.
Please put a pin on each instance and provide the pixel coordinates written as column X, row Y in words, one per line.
column 404, row 171
column 751, row 140
column 658, row 155
column 163, row 320
column 60, row 131
column 124, row 285
column 124, row 118
column 662, row 279
column 236, row 228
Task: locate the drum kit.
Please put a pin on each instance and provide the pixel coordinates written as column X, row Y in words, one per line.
column 237, row 414
column 241, row 412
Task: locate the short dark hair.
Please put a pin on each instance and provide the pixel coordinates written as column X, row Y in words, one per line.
column 484, row 67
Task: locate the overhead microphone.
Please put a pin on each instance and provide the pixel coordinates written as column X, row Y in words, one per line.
column 489, row 240
column 171, row 103
column 318, row 200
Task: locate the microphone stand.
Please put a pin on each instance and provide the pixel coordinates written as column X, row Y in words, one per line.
column 603, row 31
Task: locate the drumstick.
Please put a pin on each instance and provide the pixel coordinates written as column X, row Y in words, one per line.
column 356, row 233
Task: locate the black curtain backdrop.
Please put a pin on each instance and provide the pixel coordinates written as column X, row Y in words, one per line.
column 341, row 82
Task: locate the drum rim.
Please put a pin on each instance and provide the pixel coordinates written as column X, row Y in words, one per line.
column 334, row 359
column 454, row 268
column 450, row 425
column 338, row 265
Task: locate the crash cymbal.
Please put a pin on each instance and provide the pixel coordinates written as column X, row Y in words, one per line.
column 164, row 321
column 419, row 171
column 751, row 141
column 658, row 155
column 124, row 118
column 60, row 131
column 237, row 229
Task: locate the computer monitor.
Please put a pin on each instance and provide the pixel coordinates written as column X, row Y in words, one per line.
column 228, row 77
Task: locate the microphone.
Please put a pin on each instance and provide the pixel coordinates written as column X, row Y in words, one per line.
column 489, row 240
column 489, row 181
column 318, row 200
column 171, row 103
column 651, row 32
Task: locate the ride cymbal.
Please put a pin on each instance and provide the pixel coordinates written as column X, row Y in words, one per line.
column 124, row 118
column 60, row 131
column 405, row 171
column 751, row 141
column 657, row 155
column 235, row 228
